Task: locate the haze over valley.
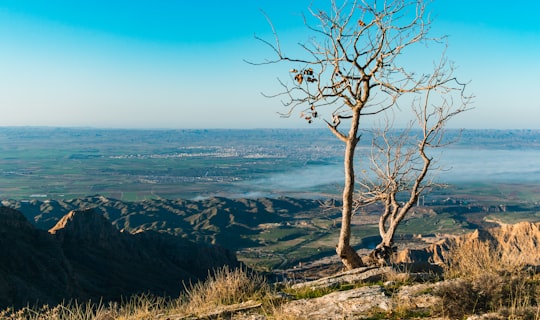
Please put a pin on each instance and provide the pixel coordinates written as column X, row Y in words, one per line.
column 57, row 163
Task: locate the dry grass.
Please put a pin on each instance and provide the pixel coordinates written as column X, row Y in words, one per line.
column 136, row 308
column 62, row 311
column 482, row 277
column 398, row 275
column 224, row 287
column 474, row 258
column 479, row 280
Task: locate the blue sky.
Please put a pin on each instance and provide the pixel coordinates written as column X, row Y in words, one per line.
column 180, row 64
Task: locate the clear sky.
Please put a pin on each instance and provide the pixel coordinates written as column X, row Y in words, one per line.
column 180, row 64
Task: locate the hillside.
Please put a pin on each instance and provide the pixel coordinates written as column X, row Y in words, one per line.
column 215, row 219
column 84, row 257
column 282, row 233
column 32, row 264
column 235, row 224
column 484, row 286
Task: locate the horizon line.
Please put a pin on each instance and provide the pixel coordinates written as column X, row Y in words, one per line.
column 225, row 128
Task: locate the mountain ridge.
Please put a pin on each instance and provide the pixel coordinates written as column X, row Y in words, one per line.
column 212, row 220
column 84, row 257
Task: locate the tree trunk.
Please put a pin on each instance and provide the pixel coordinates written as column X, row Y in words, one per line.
column 348, row 255
column 387, row 234
column 382, row 254
column 384, row 250
column 388, row 239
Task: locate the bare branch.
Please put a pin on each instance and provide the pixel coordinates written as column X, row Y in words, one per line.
column 352, row 66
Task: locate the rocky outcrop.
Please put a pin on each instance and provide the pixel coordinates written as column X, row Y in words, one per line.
column 86, row 226
column 348, row 304
column 519, row 241
column 84, row 257
column 366, row 274
column 431, row 253
column 359, row 302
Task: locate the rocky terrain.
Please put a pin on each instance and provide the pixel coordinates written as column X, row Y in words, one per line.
column 83, row 256
column 426, row 299
column 280, row 233
column 245, row 226
column 97, row 247
column 415, row 286
column 520, row 241
column 211, row 220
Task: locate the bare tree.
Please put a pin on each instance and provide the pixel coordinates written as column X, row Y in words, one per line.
column 354, row 65
column 401, row 163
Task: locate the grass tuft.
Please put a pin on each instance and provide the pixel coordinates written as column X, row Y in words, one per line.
column 225, row 286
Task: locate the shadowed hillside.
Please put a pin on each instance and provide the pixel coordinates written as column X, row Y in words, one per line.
column 32, row 264
column 84, row 257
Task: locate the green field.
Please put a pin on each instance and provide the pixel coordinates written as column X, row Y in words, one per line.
column 141, row 164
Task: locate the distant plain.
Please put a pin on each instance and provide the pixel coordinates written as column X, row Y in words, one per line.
column 131, row 165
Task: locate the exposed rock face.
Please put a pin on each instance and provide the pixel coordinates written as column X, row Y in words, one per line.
column 433, row 253
column 519, row 240
column 84, row 257
column 85, row 226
